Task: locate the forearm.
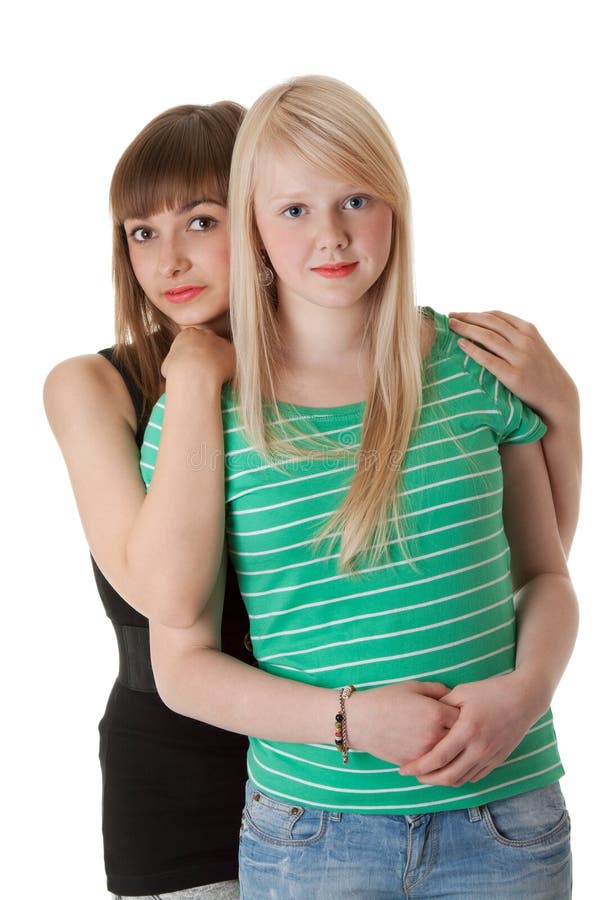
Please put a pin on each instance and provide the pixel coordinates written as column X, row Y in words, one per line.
column 547, row 619
column 563, row 455
column 395, row 722
column 175, row 546
column 210, row 686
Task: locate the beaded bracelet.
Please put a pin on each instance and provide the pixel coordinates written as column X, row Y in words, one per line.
column 341, row 729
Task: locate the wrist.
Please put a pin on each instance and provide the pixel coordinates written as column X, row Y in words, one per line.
column 193, row 385
column 533, row 690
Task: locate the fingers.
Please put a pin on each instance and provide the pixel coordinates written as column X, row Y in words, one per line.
column 495, row 316
column 441, row 756
column 434, row 689
column 499, row 340
column 497, row 365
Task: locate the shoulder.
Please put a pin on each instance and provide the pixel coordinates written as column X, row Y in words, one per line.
column 437, row 340
column 85, row 384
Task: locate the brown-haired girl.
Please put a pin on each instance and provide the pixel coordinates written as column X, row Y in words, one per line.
column 172, row 788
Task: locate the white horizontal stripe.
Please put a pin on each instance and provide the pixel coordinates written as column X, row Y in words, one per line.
column 267, row 465
column 152, row 446
column 407, row 515
column 334, row 471
column 288, row 481
column 377, row 660
column 453, row 437
column 303, row 436
column 509, row 762
column 237, row 534
column 272, row 748
column 426, row 509
column 522, row 438
column 401, row 790
column 312, row 763
column 154, row 425
column 304, row 499
column 395, row 587
column 406, row 538
column 386, row 612
column 447, row 459
column 389, row 634
column 432, row 384
column 146, row 465
column 442, row 400
column 421, row 675
column 381, row 568
column 284, row 420
column 462, row 415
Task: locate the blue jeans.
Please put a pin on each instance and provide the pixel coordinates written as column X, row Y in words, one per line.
column 506, row 850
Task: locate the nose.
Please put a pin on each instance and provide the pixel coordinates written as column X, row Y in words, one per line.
column 173, row 259
column 331, row 233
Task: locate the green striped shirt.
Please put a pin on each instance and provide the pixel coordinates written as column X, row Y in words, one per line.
column 442, row 611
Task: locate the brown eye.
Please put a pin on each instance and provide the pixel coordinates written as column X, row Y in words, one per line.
column 143, row 234
column 202, row 223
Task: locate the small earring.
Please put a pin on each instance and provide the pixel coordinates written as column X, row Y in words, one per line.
column 266, row 276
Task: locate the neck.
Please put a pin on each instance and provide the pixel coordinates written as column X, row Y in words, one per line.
column 325, row 355
column 315, row 335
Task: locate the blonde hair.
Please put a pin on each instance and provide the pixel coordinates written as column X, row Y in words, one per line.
column 172, row 161
column 334, row 129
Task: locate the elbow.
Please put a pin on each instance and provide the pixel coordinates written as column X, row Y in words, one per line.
column 168, row 693
column 176, row 612
column 163, row 601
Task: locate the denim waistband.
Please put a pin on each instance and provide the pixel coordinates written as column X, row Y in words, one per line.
column 135, row 668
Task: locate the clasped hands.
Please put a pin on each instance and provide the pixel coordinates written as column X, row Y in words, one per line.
column 444, row 736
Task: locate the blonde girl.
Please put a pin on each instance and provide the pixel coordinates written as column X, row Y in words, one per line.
column 390, row 517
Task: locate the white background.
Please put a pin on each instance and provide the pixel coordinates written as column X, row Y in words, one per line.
column 494, row 106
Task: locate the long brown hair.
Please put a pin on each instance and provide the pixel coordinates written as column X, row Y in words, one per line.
column 180, row 153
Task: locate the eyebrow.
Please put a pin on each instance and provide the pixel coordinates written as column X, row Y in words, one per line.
column 193, row 203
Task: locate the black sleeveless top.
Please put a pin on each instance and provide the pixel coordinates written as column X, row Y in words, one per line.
column 172, row 787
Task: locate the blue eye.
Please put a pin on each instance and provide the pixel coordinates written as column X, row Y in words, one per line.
column 293, row 212
column 355, row 203
column 142, row 234
column 202, row 223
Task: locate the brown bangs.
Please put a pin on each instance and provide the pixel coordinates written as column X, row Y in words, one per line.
column 181, row 156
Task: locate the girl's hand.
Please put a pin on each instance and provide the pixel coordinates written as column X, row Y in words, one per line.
column 515, row 352
column 400, row 721
column 196, row 349
column 494, row 716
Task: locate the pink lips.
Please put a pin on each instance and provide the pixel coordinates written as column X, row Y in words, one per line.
column 337, row 270
column 184, row 293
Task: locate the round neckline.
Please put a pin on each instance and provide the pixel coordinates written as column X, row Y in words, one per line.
column 352, row 409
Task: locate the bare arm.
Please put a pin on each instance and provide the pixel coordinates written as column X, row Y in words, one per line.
column 195, row 679
column 161, row 552
column 515, row 352
column 495, row 714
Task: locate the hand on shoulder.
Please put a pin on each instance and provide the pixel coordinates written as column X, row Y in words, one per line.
column 514, row 351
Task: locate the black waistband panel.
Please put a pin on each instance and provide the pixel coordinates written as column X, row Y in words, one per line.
column 135, row 668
